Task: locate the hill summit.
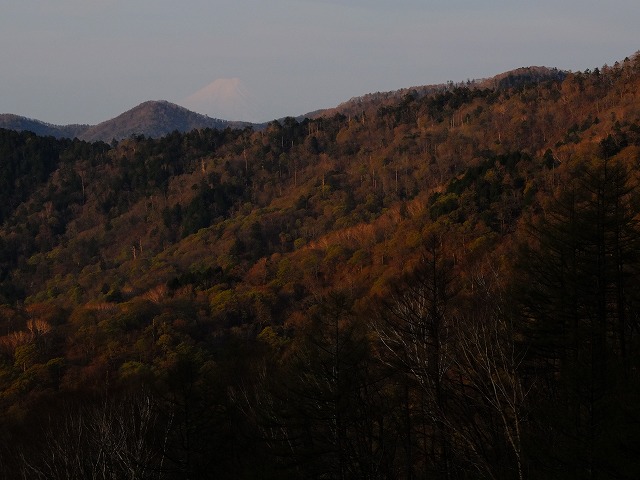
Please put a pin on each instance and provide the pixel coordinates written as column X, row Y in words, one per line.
column 152, row 119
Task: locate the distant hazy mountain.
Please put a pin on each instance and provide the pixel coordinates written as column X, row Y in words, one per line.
column 18, row 123
column 228, row 98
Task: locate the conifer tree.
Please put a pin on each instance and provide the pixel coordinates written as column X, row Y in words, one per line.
column 578, row 295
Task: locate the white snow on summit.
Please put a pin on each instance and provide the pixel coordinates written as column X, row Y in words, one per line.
column 224, row 98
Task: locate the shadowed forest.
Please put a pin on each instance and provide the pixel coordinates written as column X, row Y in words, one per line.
column 439, row 284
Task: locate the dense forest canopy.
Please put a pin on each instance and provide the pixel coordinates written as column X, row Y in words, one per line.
column 440, row 284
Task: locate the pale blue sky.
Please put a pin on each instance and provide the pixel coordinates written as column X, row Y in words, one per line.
column 84, row 61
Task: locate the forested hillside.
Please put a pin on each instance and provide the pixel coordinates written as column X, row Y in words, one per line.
column 443, row 285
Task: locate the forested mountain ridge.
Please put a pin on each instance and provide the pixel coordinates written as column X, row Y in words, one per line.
column 512, row 78
column 443, row 285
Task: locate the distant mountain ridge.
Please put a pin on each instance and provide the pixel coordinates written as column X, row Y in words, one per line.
column 159, row 118
column 10, row 121
column 152, row 119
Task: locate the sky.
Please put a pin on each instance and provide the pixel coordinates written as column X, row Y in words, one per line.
column 86, row 61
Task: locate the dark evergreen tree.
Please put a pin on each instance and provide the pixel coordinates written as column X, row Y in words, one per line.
column 579, row 295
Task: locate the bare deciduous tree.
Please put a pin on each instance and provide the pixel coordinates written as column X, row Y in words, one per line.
column 488, row 360
column 109, row 440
